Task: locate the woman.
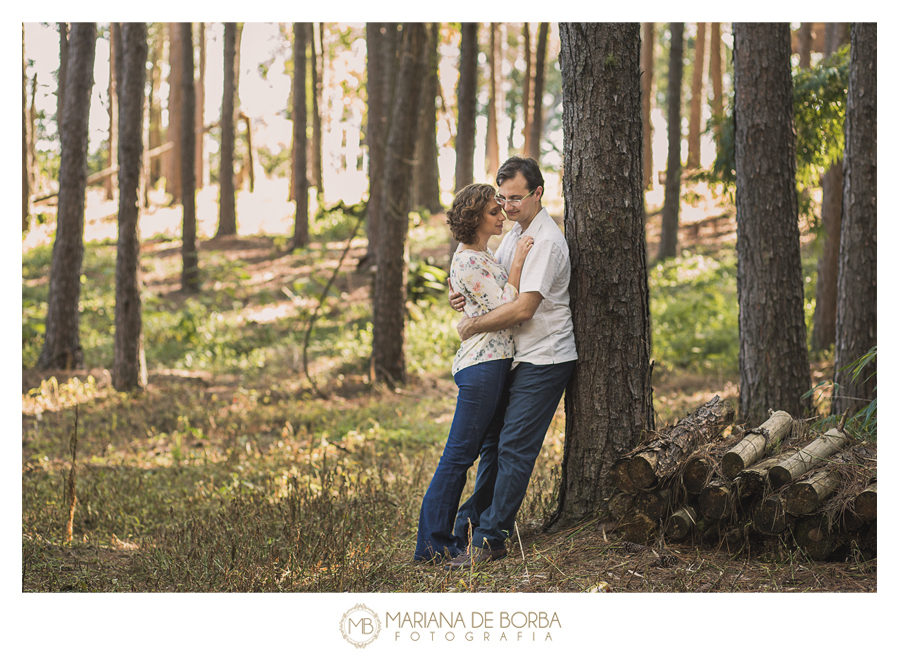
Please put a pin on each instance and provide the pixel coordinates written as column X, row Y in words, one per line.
column 480, row 366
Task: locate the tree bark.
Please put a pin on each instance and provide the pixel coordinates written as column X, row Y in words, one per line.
column 668, row 237
column 129, row 365
column 154, row 105
column 493, row 141
column 754, row 446
column 315, row 150
column 753, row 482
column 537, row 113
column 227, row 210
column 466, row 110
column 200, row 101
column 857, row 313
column 389, row 299
column 825, row 314
column 427, row 189
column 620, row 504
column 807, row 458
column 805, row 496
column 62, row 346
column 715, row 75
column 697, row 97
column 62, row 75
column 774, row 365
column 190, row 270
column 526, row 89
column 609, row 404
column 26, row 131
column 301, row 182
column 661, row 457
column 112, row 109
column 804, row 45
column 173, row 159
column 647, row 62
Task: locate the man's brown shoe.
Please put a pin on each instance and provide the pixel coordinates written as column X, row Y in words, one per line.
column 475, row 557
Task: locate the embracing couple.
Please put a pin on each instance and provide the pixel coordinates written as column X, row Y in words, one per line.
column 517, row 354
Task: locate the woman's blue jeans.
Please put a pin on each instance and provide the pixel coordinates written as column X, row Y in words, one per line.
column 481, row 387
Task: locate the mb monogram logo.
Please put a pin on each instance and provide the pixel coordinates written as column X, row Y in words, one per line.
column 360, row 626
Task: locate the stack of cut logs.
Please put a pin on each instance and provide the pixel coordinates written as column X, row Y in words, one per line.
column 689, row 483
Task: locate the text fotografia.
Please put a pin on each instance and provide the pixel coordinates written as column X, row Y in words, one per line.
column 478, row 626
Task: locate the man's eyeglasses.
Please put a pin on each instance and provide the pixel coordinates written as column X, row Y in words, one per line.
column 513, row 202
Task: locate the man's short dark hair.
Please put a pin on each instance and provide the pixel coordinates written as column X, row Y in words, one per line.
column 527, row 166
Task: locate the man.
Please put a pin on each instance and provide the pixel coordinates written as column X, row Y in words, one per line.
column 545, row 357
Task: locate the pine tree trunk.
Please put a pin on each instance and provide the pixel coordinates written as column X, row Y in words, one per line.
column 200, row 101
column 389, row 299
column 493, row 142
column 173, row 131
column 62, row 346
column 526, row 88
column 26, row 188
column 112, row 110
column 426, row 186
column 301, row 182
column 466, row 110
column 316, row 145
column 668, row 237
column 647, row 61
column 715, row 75
column 227, row 211
column 154, row 109
column 697, row 97
column 537, row 113
column 63, row 75
column 857, row 311
column 825, row 314
column 609, row 402
column 804, row 45
column 190, row 271
column 774, row 365
column 129, row 365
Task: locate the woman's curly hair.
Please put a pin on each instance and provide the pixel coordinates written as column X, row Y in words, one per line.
column 467, row 210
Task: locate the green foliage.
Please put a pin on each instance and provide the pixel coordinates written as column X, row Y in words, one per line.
column 426, row 283
column 693, row 312
column 864, row 423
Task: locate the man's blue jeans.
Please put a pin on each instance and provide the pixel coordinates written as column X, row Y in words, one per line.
column 509, row 451
column 481, row 387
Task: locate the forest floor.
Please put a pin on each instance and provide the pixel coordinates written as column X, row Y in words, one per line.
column 250, row 478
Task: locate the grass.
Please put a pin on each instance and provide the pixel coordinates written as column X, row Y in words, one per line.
column 230, row 474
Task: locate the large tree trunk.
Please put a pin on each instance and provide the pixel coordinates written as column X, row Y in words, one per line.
column 609, row 402
column 227, row 211
column 200, row 100
column 112, row 109
column 389, row 299
column 825, row 314
column 715, row 75
column 298, row 162
column 537, row 112
column 62, row 347
column 774, row 365
column 466, row 110
column 190, row 270
column 697, row 96
column 129, row 365
column 647, row 61
column 493, row 141
column 668, row 237
column 426, row 183
column 173, row 158
column 857, row 312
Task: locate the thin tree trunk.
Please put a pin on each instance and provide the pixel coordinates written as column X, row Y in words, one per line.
column 715, row 75
column 426, row 188
column 804, row 45
column 301, row 182
column 526, row 88
column 129, row 365
column 857, row 312
column 389, row 298
column 668, row 238
column 173, row 131
column 493, row 142
column 316, row 144
column 608, row 402
column 62, row 76
column 466, row 110
column 154, row 109
column 537, row 121
column 26, row 133
column 647, row 61
column 190, row 270
column 227, row 201
column 697, row 94
column 774, row 365
column 112, row 110
column 62, row 346
column 200, row 97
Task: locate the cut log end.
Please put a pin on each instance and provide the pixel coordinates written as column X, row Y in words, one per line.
column 681, row 523
column 642, row 470
column 620, row 476
column 732, row 464
column 696, row 475
column 715, row 500
column 769, row 517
